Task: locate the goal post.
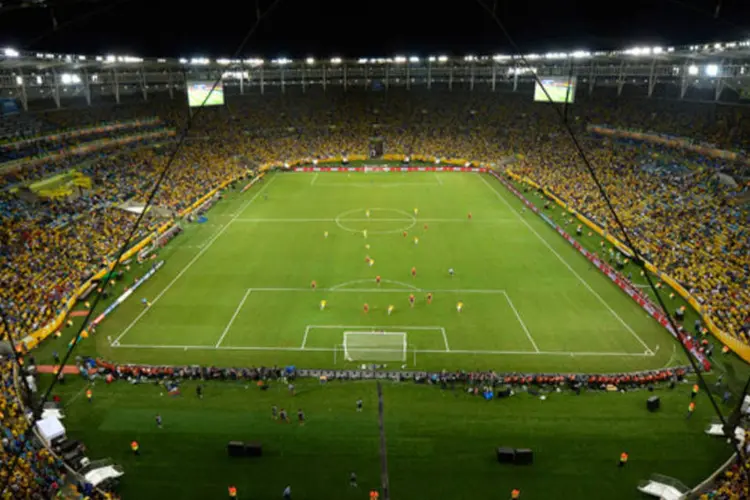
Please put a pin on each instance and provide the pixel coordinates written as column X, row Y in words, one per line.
column 375, row 346
column 338, row 356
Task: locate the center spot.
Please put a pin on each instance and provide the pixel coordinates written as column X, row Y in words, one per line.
column 380, row 220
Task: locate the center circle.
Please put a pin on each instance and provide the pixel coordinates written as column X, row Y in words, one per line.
column 345, row 219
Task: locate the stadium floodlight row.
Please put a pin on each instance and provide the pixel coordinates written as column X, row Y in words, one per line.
column 713, row 72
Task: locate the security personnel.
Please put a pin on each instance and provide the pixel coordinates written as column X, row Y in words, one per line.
column 623, row 459
column 515, row 494
column 695, row 391
column 232, row 492
column 691, row 409
column 134, row 447
column 89, row 394
column 374, row 495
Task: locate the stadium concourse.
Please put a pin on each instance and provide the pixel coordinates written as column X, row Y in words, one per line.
column 687, row 223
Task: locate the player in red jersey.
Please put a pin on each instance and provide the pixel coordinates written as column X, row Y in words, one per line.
column 425, row 227
column 411, row 300
column 366, row 308
column 377, row 279
column 429, row 298
column 414, row 272
column 405, row 233
column 313, row 284
column 469, row 215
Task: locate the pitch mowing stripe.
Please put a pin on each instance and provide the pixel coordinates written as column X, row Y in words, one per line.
column 373, row 219
column 190, row 264
column 376, row 290
column 566, row 264
column 418, row 351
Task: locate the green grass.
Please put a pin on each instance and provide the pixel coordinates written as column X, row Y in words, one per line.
column 522, row 285
column 440, row 442
column 522, row 269
column 735, row 370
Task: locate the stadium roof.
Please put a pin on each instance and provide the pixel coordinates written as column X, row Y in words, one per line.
column 12, row 59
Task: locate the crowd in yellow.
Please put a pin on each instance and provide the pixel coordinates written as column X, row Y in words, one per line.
column 37, row 473
column 734, row 483
column 685, row 223
column 688, row 227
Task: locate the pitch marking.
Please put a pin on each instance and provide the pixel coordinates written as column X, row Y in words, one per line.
column 234, row 316
column 376, row 328
column 364, row 219
column 347, row 283
column 566, row 264
column 374, row 290
column 423, row 351
column 192, row 261
column 523, row 325
column 408, row 219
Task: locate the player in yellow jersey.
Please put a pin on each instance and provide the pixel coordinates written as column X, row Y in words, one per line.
column 323, row 304
column 416, row 240
column 325, row 234
column 372, row 262
column 459, row 306
column 390, row 309
column 367, row 213
column 364, row 233
column 416, row 212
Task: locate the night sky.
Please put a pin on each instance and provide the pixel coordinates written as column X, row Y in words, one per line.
column 357, row 28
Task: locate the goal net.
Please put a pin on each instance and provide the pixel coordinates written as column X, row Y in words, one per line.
column 375, row 346
column 159, row 240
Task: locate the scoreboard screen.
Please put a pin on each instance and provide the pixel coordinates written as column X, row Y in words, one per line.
column 559, row 88
column 205, row 92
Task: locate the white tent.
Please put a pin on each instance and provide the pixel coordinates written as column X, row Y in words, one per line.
column 50, row 429
column 98, row 476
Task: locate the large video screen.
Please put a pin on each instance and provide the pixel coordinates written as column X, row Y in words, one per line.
column 200, row 92
column 559, row 88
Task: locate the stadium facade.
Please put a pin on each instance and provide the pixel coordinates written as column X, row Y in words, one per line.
column 713, row 72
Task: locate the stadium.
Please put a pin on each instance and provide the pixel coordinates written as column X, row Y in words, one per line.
column 385, row 277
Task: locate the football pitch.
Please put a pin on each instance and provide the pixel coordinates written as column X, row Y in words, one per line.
column 237, row 290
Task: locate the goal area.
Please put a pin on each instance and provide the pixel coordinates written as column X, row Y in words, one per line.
column 375, row 346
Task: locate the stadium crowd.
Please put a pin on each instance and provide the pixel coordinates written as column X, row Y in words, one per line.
column 683, row 217
column 686, row 223
column 38, row 474
column 690, row 225
column 734, row 483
